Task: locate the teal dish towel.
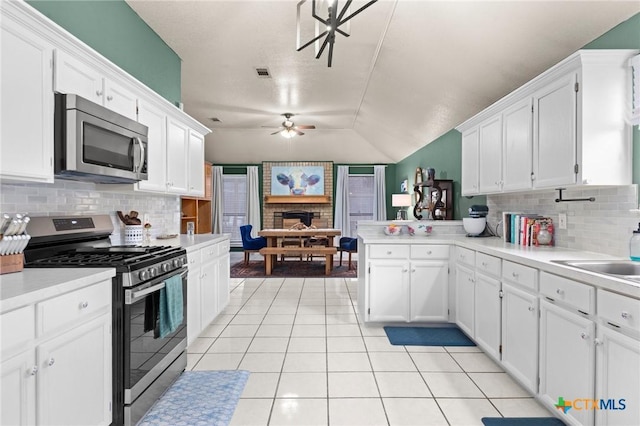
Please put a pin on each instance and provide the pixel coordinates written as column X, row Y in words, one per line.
column 171, row 312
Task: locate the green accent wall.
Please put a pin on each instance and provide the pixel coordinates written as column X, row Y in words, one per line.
column 444, row 153
column 113, row 29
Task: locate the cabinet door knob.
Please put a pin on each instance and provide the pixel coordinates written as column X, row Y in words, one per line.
column 405, row 270
column 484, row 264
column 413, row 270
column 531, row 308
column 33, row 370
column 597, row 342
column 560, row 291
column 98, row 92
column 515, row 275
column 584, row 335
column 52, row 361
column 389, row 252
column 429, row 252
column 625, row 315
column 109, row 98
column 84, row 305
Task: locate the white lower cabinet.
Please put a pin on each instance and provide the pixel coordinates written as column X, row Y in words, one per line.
column 208, row 285
column 487, row 314
column 520, row 335
column 406, row 283
column 465, row 299
column 75, row 368
column 18, row 389
column 61, row 375
column 617, row 378
column 567, row 360
column 428, row 294
column 388, row 290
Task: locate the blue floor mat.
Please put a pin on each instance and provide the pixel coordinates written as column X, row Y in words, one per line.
column 427, row 336
column 198, row 398
column 522, row 421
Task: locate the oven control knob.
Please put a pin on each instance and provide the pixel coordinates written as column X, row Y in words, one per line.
column 152, row 272
column 177, row 263
column 143, row 275
column 165, row 267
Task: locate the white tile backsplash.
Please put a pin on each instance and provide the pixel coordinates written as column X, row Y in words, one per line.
column 67, row 198
column 603, row 226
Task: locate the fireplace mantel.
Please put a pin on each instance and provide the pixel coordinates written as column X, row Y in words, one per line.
column 297, row 199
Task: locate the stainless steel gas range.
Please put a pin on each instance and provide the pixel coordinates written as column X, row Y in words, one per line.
column 144, row 364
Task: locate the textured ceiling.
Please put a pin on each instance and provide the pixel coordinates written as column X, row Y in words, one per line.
column 409, row 72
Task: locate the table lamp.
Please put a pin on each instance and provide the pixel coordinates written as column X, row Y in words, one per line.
column 402, row 201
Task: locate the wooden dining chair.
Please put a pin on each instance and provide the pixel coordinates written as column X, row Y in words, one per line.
column 291, row 241
column 317, row 240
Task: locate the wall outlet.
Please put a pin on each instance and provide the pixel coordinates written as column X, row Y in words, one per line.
column 562, row 221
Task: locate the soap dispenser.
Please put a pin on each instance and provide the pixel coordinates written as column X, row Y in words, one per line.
column 634, row 245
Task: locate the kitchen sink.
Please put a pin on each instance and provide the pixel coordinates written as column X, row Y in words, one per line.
column 619, row 268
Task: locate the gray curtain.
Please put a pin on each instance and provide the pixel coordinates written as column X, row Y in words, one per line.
column 341, row 220
column 218, row 208
column 253, row 200
column 379, row 194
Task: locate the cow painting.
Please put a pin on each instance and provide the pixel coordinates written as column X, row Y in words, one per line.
column 297, row 181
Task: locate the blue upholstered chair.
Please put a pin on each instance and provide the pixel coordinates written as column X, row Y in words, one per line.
column 250, row 244
column 349, row 245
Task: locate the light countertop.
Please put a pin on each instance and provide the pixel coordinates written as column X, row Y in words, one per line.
column 537, row 257
column 33, row 285
column 36, row 284
column 191, row 242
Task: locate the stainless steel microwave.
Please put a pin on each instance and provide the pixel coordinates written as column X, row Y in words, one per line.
column 95, row 144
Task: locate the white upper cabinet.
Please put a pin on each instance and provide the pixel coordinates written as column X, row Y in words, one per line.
column 470, row 162
column 26, row 114
column 156, row 121
column 517, row 146
column 568, row 126
column 490, row 155
column 554, row 134
column 196, row 164
column 72, row 75
column 177, row 145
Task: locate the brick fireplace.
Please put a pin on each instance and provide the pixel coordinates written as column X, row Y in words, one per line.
column 273, row 210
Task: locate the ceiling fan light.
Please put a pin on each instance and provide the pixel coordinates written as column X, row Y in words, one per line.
column 287, row 123
column 288, row 133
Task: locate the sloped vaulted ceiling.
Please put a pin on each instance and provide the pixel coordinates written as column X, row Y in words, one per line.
column 411, row 70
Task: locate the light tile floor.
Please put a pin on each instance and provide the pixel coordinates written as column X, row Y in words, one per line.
column 312, row 363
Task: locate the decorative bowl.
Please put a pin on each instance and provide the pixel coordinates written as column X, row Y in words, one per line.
column 424, row 229
column 392, row 230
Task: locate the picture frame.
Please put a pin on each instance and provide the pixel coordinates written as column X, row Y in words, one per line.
column 297, row 182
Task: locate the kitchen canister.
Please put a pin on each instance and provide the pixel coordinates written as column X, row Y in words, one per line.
column 133, row 234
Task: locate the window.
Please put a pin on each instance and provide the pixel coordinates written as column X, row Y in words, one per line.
column 234, row 202
column 360, row 200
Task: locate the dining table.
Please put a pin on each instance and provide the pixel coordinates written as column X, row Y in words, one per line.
column 273, row 235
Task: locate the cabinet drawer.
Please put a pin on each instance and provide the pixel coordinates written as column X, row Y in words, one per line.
column 619, row 310
column 223, row 247
column 422, row 251
column 465, row 256
column 18, row 327
column 520, row 274
column 389, row 251
column 578, row 295
column 209, row 252
column 194, row 259
column 488, row 264
column 73, row 306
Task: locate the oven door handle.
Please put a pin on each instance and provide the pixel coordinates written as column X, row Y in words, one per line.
column 134, row 296
column 138, row 294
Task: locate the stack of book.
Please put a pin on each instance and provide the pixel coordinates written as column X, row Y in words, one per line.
column 522, row 228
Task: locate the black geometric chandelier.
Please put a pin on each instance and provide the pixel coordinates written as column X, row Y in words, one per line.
column 336, row 18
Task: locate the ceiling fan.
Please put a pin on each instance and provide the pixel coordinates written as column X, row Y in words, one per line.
column 289, row 129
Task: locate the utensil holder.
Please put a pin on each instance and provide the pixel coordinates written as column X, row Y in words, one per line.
column 133, row 234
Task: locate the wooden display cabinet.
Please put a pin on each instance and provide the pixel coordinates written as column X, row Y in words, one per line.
column 199, row 210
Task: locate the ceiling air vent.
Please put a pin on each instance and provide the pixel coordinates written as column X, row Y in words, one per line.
column 263, row 72
column 215, row 119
